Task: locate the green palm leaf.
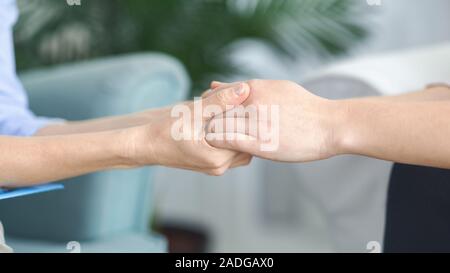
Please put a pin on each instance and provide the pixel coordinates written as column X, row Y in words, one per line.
column 197, row 31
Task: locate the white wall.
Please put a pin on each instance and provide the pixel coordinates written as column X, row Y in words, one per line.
column 401, row 24
column 394, row 25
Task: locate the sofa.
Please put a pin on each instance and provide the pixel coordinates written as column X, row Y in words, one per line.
column 107, row 211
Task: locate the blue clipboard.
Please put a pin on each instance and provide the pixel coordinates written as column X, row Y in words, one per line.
column 12, row 193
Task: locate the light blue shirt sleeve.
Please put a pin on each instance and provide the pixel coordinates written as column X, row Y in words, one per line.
column 15, row 117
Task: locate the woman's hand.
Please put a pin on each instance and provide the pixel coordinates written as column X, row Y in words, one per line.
column 303, row 126
column 159, row 143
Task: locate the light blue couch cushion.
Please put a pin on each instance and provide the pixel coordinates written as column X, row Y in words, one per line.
column 107, row 203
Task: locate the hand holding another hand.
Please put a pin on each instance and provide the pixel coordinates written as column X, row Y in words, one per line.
column 292, row 125
column 303, row 127
column 157, row 142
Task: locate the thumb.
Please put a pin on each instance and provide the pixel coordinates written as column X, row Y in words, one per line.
column 216, row 84
column 231, row 95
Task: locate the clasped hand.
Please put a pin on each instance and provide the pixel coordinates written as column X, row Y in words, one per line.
column 305, row 128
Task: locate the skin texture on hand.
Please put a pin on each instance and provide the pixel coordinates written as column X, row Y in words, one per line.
column 412, row 128
column 306, row 131
column 153, row 143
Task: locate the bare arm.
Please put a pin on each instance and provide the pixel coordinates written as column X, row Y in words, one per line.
column 97, row 125
column 136, row 119
column 69, row 149
column 409, row 128
column 413, row 128
column 432, row 93
column 30, row 160
column 57, row 153
column 407, row 132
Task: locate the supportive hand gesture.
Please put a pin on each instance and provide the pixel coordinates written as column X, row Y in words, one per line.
column 291, row 123
column 175, row 136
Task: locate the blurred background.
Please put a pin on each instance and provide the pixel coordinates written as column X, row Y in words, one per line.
column 199, row 33
column 333, row 47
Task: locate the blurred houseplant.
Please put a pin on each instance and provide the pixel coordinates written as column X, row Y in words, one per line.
column 197, row 32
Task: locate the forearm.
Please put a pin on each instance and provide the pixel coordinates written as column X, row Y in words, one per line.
column 32, row 160
column 97, row 125
column 432, row 93
column 407, row 132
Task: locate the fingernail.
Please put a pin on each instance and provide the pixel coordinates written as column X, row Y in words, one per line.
column 239, row 90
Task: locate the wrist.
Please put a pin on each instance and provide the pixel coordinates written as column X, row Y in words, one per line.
column 121, row 148
column 136, row 148
column 344, row 136
column 102, row 150
column 142, row 143
column 150, row 115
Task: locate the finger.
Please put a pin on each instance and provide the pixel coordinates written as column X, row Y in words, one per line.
column 227, row 98
column 239, row 125
column 241, row 159
column 235, row 142
column 222, row 169
column 215, row 86
column 206, row 93
column 233, row 156
column 241, row 111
